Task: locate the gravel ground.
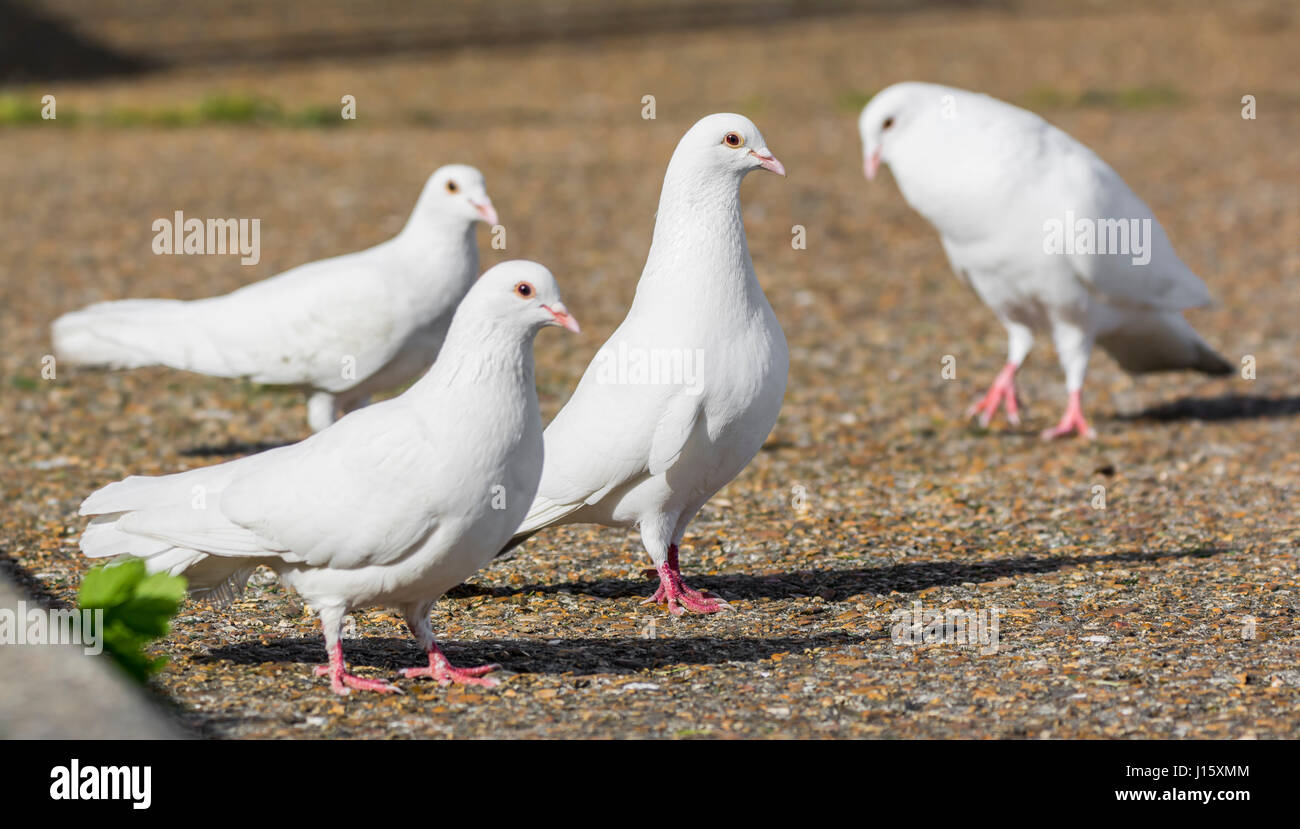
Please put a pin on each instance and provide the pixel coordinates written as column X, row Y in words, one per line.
column 1170, row 612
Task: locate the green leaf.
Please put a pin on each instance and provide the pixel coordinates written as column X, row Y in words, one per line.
column 137, row 609
column 126, row 649
column 146, row 616
column 163, row 587
column 109, row 586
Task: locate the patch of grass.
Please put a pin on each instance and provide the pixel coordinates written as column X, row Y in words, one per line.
column 1129, row 97
column 134, row 117
column 314, row 116
column 137, row 607
column 1134, row 97
column 238, row 109
column 1046, row 97
column 852, row 100
column 24, row 383
column 15, row 110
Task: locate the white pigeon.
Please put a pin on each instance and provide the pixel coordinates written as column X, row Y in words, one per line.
column 682, row 396
column 392, row 505
column 1045, row 232
column 343, row 327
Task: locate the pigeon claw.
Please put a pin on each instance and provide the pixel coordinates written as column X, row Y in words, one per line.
column 458, row 676
column 1002, row 392
column 678, row 598
column 1071, row 422
column 444, row 673
column 1065, row 429
column 342, row 682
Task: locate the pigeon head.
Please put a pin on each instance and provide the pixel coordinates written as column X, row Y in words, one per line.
column 518, row 294
column 457, row 191
column 890, row 116
column 725, row 143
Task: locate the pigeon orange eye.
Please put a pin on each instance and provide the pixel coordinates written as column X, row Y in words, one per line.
column 524, row 289
column 451, row 187
column 733, row 139
column 889, row 122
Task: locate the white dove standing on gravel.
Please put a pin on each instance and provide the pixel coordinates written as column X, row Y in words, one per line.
column 393, row 505
column 343, row 327
column 1003, row 187
column 684, row 393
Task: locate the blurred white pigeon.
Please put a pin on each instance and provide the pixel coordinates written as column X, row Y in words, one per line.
column 344, row 327
column 1045, row 232
column 686, row 390
column 393, row 505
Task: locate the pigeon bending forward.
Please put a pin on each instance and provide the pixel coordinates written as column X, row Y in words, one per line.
column 688, row 387
column 1045, row 232
column 393, row 505
column 343, row 328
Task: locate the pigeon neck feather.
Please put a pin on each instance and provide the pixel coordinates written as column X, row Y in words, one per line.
column 439, row 244
column 699, row 237
column 480, row 351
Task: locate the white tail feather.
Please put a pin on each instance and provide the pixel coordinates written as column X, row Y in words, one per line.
column 160, row 521
column 134, row 333
column 1161, row 341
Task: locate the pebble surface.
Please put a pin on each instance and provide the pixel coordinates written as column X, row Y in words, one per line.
column 1168, row 608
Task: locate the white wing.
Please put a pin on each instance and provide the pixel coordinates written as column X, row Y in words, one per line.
column 1159, row 279
column 294, row 328
column 339, row 508
column 300, row 326
column 609, row 435
column 330, row 506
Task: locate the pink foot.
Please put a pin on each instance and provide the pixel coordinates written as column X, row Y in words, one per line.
column 1072, row 421
column 341, row 682
column 679, row 598
column 1003, row 391
column 651, row 572
column 445, row 673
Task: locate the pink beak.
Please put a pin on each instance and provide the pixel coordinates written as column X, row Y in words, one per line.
column 871, row 164
column 485, row 210
column 768, row 161
column 562, row 317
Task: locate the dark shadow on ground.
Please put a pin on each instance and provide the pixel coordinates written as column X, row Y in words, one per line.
column 39, row 47
column 628, row 654
column 360, row 33
column 1224, row 407
column 838, row 585
column 231, row 448
column 552, row 656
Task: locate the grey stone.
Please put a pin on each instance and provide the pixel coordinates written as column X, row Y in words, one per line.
column 60, row 692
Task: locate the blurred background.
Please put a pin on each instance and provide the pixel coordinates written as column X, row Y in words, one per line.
column 231, row 108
